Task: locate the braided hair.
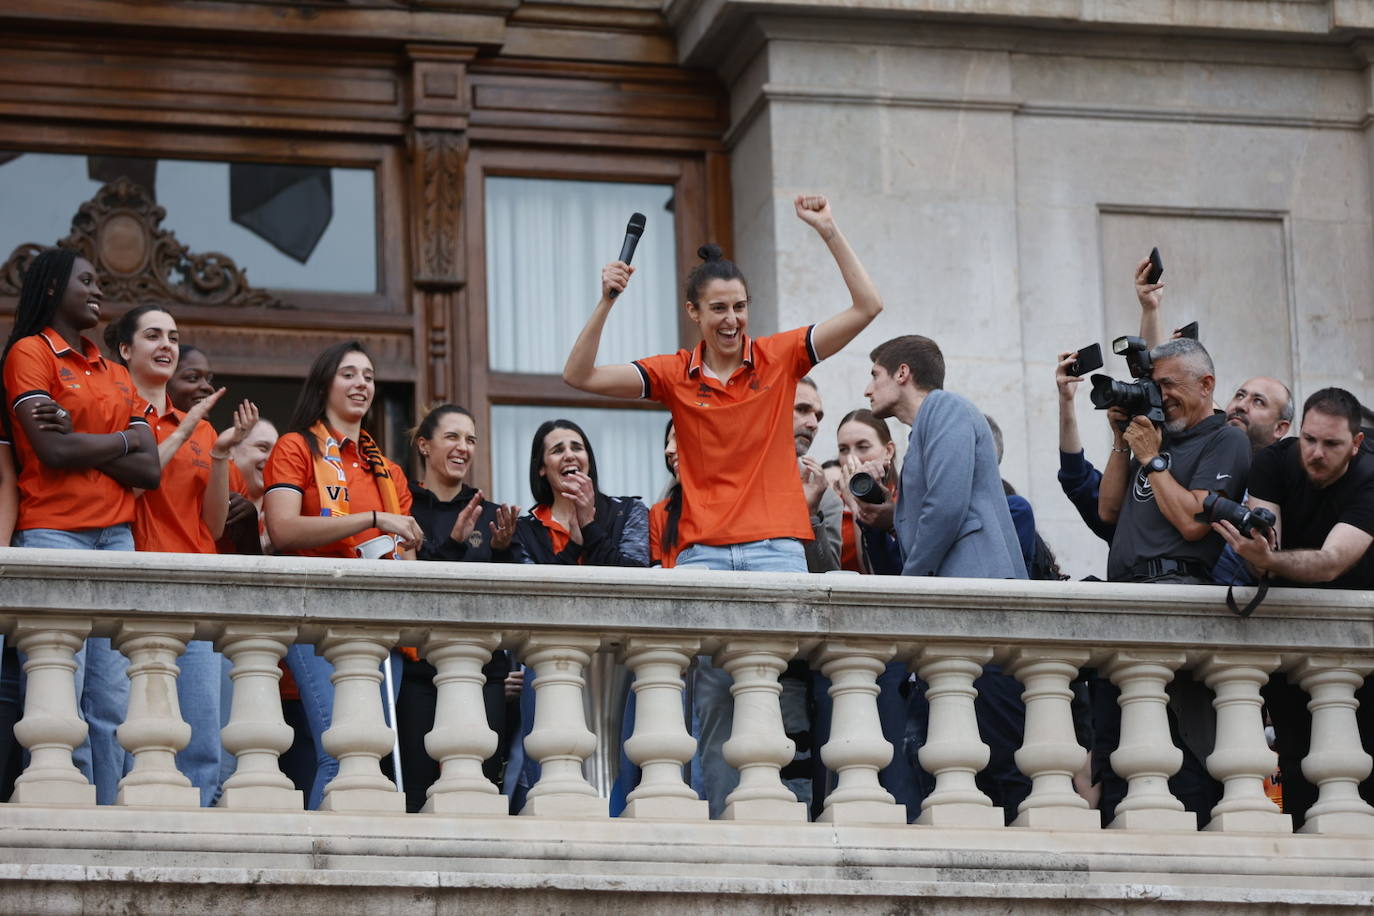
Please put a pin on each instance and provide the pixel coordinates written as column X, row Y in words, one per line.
column 45, row 282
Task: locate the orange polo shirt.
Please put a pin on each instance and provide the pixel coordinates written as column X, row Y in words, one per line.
column 171, row 518
column 292, row 465
column 100, row 397
column 734, row 438
column 558, row 535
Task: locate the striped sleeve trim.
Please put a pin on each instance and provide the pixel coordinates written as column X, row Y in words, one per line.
column 285, row 486
column 28, row 396
column 645, row 388
column 811, row 345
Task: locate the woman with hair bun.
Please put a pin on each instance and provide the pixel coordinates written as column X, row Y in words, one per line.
column 732, row 398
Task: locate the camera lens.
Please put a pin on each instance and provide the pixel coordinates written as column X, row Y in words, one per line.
column 865, row 488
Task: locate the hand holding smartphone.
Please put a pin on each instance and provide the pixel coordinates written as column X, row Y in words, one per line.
column 1089, row 359
column 1156, row 267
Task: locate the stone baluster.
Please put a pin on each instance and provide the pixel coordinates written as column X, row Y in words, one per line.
column 953, row 751
column 358, row 736
column 51, row 728
column 758, row 745
column 857, row 749
column 1242, row 758
column 257, row 734
column 661, row 745
column 1145, row 755
column 153, row 730
column 560, row 739
column 1050, row 753
column 461, row 738
column 1335, row 763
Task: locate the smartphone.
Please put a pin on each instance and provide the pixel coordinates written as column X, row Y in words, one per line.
column 1089, row 358
column 1189, row 330
column 1156, row 267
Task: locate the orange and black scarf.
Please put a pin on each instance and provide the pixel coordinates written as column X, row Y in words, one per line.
column 332, row 482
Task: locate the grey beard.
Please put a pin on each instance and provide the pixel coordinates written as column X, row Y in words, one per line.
column 1176, row 426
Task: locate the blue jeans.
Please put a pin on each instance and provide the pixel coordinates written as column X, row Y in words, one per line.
column 713, row 708
column 102, row 679
column 203, row 692
column 312, row 673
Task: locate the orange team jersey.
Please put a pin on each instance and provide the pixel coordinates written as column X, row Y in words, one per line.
column 849, row 543
column 658, row 523
column 100, row 397
column 237, row 482
column 171, row 518
column 292, row 465
column 558, row 535
column 734, row 437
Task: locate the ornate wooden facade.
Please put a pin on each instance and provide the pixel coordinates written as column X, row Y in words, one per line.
column 431, row 96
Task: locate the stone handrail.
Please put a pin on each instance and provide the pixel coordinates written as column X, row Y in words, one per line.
column 556, row 618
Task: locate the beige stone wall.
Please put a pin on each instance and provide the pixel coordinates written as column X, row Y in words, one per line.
column 1001, row 166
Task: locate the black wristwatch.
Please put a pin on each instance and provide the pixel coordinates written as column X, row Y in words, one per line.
column 1157, row 463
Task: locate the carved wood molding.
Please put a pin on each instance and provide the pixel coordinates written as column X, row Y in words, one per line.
column 119, row 231
column 440, row 157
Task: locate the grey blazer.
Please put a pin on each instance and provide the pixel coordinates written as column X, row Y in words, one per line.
column 952, row 517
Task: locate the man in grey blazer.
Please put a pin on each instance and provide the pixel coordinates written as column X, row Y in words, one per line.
column 952, row 520
column 951, row 517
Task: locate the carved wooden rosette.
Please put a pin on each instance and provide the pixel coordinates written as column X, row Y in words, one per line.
column 119, row 231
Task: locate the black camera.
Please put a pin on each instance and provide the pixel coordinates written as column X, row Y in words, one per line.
column 866, row 489
column 1141, row 398
column 1217, row 508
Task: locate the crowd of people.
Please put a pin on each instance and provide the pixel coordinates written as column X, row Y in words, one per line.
column 113, row 450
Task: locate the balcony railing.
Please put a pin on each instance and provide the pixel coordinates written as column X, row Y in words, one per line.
column 156, row 851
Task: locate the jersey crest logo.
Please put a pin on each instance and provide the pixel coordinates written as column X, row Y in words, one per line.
column 1141, row 490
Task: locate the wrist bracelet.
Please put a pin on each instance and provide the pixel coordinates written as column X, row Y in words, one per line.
column 126, row 442
column 214, row 457
column 1124, row 451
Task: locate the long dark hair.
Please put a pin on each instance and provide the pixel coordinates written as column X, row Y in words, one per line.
column 670, row 525
column 539, row 484
column 714, row 266
column 310, row 403
column 45, row 282
column 123, row 330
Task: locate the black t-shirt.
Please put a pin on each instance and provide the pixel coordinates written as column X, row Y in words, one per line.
column 1208, row 456
column 1310, row 513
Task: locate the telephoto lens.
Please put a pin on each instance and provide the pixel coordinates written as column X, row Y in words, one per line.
column 866, row 489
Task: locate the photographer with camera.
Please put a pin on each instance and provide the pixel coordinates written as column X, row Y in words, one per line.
column 1169, row 453
column 1317, row 492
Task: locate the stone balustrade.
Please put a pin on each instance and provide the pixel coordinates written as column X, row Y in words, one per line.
column 1055, row 855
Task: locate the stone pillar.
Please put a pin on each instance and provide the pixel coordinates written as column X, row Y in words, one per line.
column 153, row 730
column 1145, row 756
column 1050, row 754
column 661, row 745
column 953, row 752
column 462, row 737
column 560, row 739
column 437, row 140
column 257, row 734
column 51, row 727
column 857, row 749
column 1336, row 762
column 1242, row 757
column 358, row 737
column 758, row 745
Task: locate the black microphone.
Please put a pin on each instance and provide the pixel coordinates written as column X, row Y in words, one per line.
column 627, row 249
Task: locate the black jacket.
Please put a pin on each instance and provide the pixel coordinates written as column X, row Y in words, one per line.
column 436, row 520
column 619, row 536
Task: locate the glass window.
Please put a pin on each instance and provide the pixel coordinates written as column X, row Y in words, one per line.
column 628, row 446
column 288, row 226
column 546, row 242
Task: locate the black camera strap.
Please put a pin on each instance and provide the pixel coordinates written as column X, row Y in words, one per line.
column 1260, row 592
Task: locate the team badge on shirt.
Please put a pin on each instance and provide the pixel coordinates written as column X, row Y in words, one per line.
column 1142, row 491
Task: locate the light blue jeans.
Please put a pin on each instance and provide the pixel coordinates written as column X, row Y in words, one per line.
column 102, row 678
column 713, row 708
column 313, row 675
column 204, row 692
